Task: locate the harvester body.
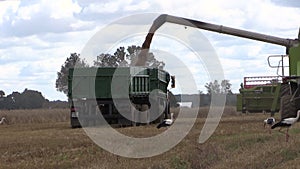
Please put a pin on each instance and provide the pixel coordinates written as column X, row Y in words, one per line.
column 287, row 91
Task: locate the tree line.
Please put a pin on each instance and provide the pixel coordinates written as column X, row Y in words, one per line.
column 28, row 99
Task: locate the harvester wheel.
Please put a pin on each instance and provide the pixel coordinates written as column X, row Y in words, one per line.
column 285, row 90
column 287, row 107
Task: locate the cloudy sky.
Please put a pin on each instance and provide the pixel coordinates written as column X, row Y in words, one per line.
column 36, row 36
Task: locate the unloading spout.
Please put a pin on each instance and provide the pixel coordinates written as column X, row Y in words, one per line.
column 159, row 21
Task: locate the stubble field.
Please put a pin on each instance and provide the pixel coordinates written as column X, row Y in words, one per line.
column 44, row 139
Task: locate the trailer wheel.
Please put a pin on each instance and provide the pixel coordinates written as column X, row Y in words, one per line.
column 167, row 110
column 287, row 107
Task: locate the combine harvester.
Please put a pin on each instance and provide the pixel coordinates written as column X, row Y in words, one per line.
column 286, row 90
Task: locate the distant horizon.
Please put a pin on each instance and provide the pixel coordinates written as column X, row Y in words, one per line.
column 6, row 94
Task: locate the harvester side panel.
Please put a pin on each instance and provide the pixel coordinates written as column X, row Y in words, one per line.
column 294, row 60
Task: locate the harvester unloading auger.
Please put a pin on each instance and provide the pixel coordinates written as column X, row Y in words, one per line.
column 290, row 93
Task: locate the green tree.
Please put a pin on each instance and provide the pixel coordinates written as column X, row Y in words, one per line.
column 213, row 87
column 151, row 61
column 31, row 99
column 226, row 87
column 108, row 60
column 216, row 88
column 61, row 83
column 124, row 58
column 2, row 94
column 13, row 101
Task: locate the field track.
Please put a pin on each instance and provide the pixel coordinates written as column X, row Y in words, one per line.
column 240, row 141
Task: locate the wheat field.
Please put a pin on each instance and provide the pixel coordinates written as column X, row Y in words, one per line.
column 44, row 139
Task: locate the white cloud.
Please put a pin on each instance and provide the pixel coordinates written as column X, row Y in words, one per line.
column 116, row 6
column 7, row 7
column 139, row 6
column 26, row 12
column 42, row 17
column 9, row 71
column 271, row 17
column 106, row 7
column 62, row 8
column 56, row 10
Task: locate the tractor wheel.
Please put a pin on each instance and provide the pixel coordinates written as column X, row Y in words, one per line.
column 287, row 107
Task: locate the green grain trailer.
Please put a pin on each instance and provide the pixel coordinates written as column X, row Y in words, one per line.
column 131, row 90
